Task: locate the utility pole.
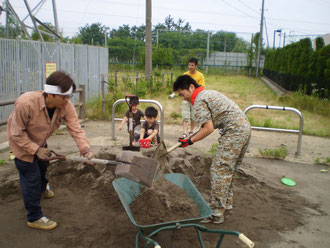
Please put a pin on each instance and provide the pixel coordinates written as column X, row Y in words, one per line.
column 266, row 32
column 157, row 37
column 279, row 44
column 284, row 40
column 148, row 46
column 260, row 38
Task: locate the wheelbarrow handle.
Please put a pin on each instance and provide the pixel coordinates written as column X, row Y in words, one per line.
column 246, row 240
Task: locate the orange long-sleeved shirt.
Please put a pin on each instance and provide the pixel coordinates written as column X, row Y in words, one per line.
column 29, row 125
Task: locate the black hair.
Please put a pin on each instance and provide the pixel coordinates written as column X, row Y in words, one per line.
column 62, row 80
column 151, row 112
column 134, row 100
column 183, row 82
column 193, row 60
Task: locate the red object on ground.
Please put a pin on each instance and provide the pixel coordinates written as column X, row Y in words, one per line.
column 145, row 143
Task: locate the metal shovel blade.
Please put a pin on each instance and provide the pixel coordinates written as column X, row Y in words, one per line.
column 160, row 151
column 131, row 148
column 137, row 168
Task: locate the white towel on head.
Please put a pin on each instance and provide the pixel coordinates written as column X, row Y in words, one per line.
column 54, row 89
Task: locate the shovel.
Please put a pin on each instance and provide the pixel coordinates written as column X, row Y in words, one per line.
column 161, row 151
column 136, row 168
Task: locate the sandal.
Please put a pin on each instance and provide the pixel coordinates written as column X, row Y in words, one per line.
column 184, row 136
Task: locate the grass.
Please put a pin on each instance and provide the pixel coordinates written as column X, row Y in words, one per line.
column 2, row 162
column 243, row 90
column 323, row 161
column 278, row 153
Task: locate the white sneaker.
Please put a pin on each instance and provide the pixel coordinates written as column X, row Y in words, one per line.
column 214, row 219
column 43, row 223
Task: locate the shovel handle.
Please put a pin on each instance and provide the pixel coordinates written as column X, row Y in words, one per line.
column 93, row 160
column 174, row 147
column 246, row 240
column 179, row 143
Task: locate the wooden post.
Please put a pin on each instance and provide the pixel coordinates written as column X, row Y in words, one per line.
column 103, row 95
column 163, row 78
column 137, row 77
column 116, row 78
column 171, row 74
column 82, row 101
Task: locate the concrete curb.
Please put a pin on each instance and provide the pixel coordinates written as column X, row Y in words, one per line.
column 274, row 86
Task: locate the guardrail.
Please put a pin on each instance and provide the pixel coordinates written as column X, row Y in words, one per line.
column 113, row 119
column 82, row 103
column 301, row 123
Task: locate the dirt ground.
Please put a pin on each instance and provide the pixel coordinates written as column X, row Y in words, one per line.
column 90, row 214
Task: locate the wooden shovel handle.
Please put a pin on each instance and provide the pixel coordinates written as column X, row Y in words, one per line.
column 179, row 143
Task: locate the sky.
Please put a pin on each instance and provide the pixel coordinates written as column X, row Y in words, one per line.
column 292, row 17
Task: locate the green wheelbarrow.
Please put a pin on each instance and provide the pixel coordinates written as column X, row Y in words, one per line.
column 128, row 191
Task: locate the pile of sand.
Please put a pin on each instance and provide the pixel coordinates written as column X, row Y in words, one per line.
column 163, row 202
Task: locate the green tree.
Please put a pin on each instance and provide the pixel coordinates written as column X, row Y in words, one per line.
column 226, row 41
column 241, row 46
column 162, row 56
column 319, row 42
column 138, row 32
column 122, row 32
column 306, row 50
column 46, row 37
column 93, row 34
column 125, row 49
column 170, row 24
column 14, row 29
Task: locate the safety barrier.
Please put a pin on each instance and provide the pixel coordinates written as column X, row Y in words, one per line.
column 301, row 123
column 113, row 119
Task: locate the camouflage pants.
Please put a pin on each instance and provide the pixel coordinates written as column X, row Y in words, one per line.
column 229, row 156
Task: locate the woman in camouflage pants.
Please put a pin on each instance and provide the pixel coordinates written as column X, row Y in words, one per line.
column 214, row 110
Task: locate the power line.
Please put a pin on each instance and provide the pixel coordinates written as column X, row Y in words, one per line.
column 239, row 9
column 249, row 7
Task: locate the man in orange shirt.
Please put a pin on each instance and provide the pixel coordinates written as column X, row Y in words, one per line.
column 186, row 107
column 36, row 116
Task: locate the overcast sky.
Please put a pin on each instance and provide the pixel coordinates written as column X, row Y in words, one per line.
column 294, row 17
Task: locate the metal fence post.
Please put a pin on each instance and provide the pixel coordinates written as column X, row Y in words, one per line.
column 82, row 102
column 171, row 74
column 163, row 78
column 137, row 77
column 301, row 123
column 113, row 119
column 103, row 95
column 116, row 77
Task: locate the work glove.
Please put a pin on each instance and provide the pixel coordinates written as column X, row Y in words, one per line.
column 185, row 142
column 43, row 153
column 87, row 153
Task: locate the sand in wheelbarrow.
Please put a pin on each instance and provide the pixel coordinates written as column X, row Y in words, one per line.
column 163, row 202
